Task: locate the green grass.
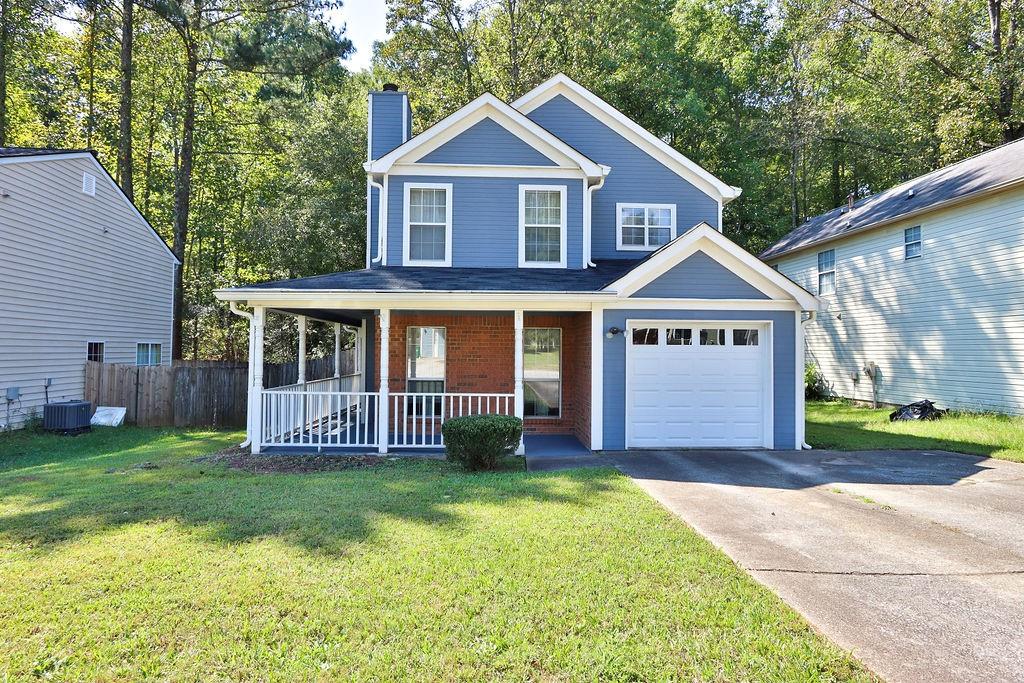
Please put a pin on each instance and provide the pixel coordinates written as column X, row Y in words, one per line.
column 412, row 570
column 843, row 426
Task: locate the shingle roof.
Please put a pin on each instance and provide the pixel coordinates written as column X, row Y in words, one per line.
column 37, row 151
column 993, row 168
column 408, row 278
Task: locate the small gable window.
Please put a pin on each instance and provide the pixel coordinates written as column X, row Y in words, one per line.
column 827, row 272
column 645, row 227
column 428, row 224
column 542, row 226
column 912, row 243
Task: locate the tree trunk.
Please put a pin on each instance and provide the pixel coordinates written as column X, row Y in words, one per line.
column 183, row 189
column 5, row 35
column 90, row 119
column 124, row 141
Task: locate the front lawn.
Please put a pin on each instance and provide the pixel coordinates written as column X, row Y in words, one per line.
column 843, row 426
column 185, row 570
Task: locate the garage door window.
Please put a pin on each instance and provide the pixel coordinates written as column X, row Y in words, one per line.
column 645, row 336
column 744, row 337
column 712, row 337
column 679, row 337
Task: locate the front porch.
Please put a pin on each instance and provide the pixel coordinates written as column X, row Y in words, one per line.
column 428, row 367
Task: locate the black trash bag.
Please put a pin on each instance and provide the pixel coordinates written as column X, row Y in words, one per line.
column 922, row 410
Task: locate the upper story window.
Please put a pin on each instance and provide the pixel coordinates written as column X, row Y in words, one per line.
column 427, row 239
column 542, row 226
column 827, row 272
column 912, row 243
column 645, row 227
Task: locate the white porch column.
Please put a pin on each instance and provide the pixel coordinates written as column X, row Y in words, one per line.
column 382, row 409
column 301, row 319
column 337, row 349
column 519, row 373
column 259, row 317
column 597, row 379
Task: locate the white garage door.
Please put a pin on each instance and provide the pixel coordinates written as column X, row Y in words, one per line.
column 697, row 385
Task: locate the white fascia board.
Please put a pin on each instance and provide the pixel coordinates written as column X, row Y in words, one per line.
column 487, row 106
column 485, row 171
column 630, row 129
column 705, row 238
column 110, row 180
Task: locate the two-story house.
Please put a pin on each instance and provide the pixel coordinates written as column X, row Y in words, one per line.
column 547, row 258
column 921, row 283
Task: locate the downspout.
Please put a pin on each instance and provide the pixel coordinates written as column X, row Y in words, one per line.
column 588, row 235
column 381, row 213
column 811, row 315
column 248, row 316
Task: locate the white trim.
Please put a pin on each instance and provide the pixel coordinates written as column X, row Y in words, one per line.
column 597, row 379
column 563, row 227
column 629, row 129
column 487, row 106
column 449, row 198
column 705, row 238
column 486, row 171
column 801, row 407
column 405, row 117
column 518, row 373
column 369, row 214
column 767, row 370
column 619, row 206
column 383, row 421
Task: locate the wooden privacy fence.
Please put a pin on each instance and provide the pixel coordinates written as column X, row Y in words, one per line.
column 191, row 394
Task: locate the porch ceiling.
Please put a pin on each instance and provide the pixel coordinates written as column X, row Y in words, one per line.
column 345, row 317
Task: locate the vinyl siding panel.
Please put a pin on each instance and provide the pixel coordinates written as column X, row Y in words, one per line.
column 487, row 142
column 636, row 176
column 65, row 282
column 783, row 360
column 947, row 327
column 485, row 219
column 700, row 277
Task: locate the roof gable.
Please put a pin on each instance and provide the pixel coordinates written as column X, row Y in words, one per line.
column 699, row 276
column 734, row 258
column 629, row 129
column 487, row 142
column 487, row 106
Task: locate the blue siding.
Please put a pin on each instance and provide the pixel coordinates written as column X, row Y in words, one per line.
column 487, row 142
column 784, row 357
column 636, row 176
column 700, row 277
column 386, row 127
column 485, row 219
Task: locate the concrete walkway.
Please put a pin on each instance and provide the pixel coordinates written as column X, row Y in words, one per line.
column 914, row 561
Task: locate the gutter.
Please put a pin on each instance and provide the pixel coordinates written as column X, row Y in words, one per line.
column 811, row 315
column 588, row 236
column 382, row 213
column 248, row 316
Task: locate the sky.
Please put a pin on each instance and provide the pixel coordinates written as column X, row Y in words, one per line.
column 364, row 21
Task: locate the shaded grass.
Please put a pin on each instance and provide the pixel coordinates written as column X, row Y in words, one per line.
column 410, row 570
column 844, row 426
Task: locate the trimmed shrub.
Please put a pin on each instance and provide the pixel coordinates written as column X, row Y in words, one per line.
column 479, row 442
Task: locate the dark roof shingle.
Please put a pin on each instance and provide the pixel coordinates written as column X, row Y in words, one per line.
column 38, row 151
column 408, row 278
column 993, row 168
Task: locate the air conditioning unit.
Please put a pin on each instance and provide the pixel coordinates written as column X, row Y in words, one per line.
column 67, row 417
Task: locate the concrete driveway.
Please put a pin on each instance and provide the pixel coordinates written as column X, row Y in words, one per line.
column 914, row 561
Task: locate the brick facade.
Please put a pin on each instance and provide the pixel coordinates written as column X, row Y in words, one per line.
column 480, row 359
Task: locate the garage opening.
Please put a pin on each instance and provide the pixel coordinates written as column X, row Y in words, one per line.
column 699, row 384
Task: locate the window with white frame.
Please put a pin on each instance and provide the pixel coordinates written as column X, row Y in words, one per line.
column 542, row 371
column 428, row 224
column 645, row 227
column 912, row 243
column 827, row 271
column 147, row 353
column 94, row 351
column 542, row 225
column 425, row 359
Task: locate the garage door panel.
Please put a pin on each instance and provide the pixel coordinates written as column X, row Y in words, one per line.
column 697, row 396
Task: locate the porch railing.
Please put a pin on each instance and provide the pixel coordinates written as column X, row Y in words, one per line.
column 416, row 419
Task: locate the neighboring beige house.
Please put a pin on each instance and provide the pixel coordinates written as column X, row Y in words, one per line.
column 83, row 275
column 926, row 281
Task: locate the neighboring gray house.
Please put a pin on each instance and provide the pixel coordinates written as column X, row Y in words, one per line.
column 926, row 281
column 82, row 276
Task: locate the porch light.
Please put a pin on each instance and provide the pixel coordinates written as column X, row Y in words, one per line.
column 612, row 331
